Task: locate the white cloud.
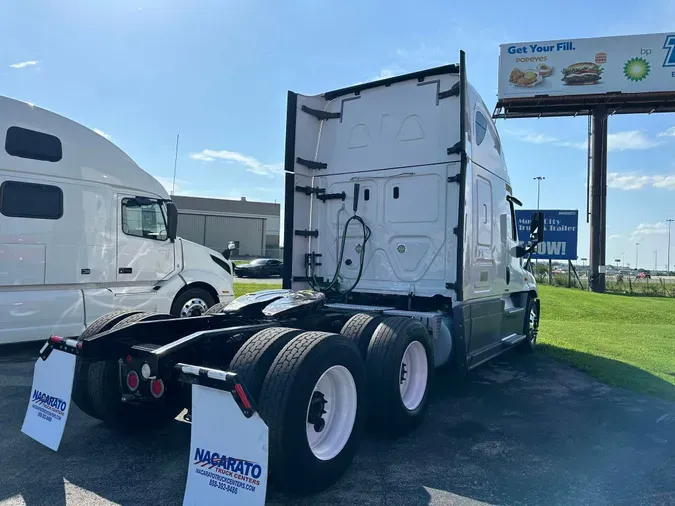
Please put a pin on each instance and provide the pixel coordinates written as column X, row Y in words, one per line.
column 670, row 132
column 251, row 164
column 631, row 181
column 612, row 237
column 102, row 133
column 619, row 141
column 24, row 64
column 630, row 139
column 644, row 229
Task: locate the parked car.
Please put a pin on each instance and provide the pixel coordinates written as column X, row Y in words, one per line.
column 643, row 275
column 260, row 268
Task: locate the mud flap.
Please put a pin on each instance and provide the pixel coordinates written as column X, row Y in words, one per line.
column 228, row 442
column 49, row 402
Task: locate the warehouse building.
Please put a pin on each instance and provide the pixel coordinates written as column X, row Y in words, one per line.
column 254, row 227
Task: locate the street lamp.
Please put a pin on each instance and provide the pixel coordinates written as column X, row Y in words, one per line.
column 539, row 180
column 668, row 266
column 637, row 253
column 623, row 257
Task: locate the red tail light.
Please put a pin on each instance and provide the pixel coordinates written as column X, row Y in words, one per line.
column 157, row 388
column 132, row 380
column 242, row 396
column 56, row 339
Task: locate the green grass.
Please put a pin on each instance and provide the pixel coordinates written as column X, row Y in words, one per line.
column 244, row 288
column 623, row 341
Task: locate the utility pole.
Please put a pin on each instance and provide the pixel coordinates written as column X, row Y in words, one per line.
column 539, row 180
column 637, row 252
column 668, row 266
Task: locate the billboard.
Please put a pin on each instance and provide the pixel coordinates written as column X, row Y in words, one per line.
column 626, row 64
column 561, row 229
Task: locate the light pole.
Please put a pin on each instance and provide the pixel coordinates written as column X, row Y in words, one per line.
column 637, row 253
column 623, row 257
column 539, row 180
column 655, row 260
column 668, row 266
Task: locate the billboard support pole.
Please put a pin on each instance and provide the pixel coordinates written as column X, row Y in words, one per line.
column 598, row 199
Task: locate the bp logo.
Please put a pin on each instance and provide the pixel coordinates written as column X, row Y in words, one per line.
column 636, row 69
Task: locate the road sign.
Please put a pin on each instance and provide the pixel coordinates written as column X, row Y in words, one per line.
column 561, row 229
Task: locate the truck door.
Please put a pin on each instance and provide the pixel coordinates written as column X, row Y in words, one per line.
column 144, row 252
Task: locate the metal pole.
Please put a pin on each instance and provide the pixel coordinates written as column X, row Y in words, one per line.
column 598, row 200
column 539, row 179
column 655, row 260
column 669, row 221
column 175, row 164
column 637, row 253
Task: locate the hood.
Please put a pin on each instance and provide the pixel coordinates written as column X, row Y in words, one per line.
column 193, row 246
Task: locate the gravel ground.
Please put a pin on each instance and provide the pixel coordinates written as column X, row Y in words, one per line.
column 524, row 430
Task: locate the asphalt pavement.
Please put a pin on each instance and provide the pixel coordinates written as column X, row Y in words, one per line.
column 523, row 430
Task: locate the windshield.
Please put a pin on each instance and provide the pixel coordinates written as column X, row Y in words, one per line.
column 259, row 261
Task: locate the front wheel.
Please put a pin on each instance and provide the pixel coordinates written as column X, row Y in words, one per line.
column 192, row 302
column 314, row 401
column 531, row 326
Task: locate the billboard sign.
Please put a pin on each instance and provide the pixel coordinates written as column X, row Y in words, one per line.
column 561, row 229
column 626, row 64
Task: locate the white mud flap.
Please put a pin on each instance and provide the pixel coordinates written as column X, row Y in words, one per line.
column 49, row 402
column 228, row 443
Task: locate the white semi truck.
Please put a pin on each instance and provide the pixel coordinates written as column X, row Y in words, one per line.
column 401, row 257
column 85, row 231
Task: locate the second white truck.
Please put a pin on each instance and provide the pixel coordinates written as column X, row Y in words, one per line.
column 85, row 231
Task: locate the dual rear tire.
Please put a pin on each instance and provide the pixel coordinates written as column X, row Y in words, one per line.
column 318, row 393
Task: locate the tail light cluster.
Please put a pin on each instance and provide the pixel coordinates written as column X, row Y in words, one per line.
column 134, row 381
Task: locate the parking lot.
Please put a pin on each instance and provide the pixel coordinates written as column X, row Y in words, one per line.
column 525, row 430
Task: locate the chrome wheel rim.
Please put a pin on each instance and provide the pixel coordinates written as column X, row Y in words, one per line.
column 193, row 307
column 413, row 375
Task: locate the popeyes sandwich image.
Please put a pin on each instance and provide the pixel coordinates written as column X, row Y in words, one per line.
column 582, row 73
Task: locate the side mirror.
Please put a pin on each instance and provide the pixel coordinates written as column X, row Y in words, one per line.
column 230, row 247
column 537, row 227
column 519, row 251
column 172, row 220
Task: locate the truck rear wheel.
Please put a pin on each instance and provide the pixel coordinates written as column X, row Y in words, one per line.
column 313, row 401
column 216, row 308
column 359, row 329
column 105, row 392
column 400, row 366
column 101, row 324
column 254, row 359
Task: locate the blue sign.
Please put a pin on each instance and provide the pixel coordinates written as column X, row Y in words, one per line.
column 561, row 229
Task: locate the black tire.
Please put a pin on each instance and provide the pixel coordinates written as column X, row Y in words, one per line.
column 103, row 323
column 190, row 294
column 254, row 359
column 216, row 308
column 103, row 387
column 359, row 329
column 284, row 401
column 530, row 327
column 384, row 362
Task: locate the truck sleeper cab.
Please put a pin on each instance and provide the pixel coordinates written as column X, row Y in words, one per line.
column 400, row 257
column 85, row 231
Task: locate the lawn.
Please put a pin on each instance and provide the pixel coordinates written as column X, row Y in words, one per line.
column 623, row 341
column 244, row 288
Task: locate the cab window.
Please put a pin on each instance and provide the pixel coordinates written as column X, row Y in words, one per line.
column 143, row 219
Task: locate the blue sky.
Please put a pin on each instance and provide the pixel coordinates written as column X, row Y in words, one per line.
column 217, row 71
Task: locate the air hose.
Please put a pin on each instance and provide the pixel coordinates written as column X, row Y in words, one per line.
column 333, row 285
